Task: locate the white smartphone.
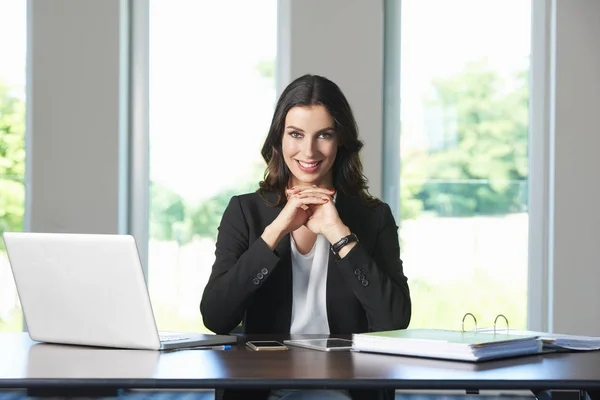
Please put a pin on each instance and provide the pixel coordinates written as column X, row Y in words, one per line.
column 331, row 344
column 260, row 345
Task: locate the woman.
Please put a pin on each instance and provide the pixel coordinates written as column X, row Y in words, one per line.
column 311, row 251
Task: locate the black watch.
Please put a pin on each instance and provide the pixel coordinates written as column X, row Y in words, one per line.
column 337, row 246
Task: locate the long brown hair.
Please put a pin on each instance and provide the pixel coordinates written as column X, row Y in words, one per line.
column 305, row 91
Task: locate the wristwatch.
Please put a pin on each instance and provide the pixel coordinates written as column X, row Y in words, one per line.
column 337, row 246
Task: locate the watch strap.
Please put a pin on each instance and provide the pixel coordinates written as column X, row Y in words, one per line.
column 337, row 246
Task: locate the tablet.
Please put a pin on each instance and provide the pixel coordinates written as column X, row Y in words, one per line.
column 331, row 344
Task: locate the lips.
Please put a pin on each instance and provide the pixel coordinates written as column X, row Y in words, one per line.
column 308, row 166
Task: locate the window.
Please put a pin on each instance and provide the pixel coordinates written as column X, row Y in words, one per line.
column 464, row 159
column 12, row 148
column 212, row 95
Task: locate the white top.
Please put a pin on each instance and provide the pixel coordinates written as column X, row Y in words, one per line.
column 309, row 277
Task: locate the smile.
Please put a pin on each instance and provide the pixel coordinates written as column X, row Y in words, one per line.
column 308, row 167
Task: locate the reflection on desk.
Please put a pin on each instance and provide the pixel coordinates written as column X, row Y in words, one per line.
column 66, row 361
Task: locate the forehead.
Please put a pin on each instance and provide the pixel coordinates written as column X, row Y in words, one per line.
column 309, row 118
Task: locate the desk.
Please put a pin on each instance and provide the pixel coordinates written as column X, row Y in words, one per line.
column 25, row 364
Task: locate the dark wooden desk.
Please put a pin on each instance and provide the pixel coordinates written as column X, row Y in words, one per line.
column 24, row 364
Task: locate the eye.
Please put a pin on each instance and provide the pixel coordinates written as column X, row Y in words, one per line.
column 326, row 135
column 295, row 134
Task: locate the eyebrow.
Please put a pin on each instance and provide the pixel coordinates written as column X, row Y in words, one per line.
column 319, row 131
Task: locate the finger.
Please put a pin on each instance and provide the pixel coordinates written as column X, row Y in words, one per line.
column 312, row 200
column 318, row 192
column 305, row 202
column 297, row 189
column 309, row 189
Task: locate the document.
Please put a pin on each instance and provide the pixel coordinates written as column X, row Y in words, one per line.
column 558, row 340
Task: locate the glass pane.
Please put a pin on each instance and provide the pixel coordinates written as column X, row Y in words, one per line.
column 464, row 159
column 13, row 19
column 212, row 94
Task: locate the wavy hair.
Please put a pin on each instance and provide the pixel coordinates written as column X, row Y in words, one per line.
column 348, row 177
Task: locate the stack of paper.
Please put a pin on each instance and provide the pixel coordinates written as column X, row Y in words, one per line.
column 447, row 344
column 571, row 342
column 559, row 341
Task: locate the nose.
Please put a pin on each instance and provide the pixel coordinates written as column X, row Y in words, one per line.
column 309, row 148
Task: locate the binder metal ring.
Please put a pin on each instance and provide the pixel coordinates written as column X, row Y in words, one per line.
column 505, row 319
column 474, row 319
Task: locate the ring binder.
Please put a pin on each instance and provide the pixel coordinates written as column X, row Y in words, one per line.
column 463, row 322
column 448, row 344
column 496, row 319
column 475, row 320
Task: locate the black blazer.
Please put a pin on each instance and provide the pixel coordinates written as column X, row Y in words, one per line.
column 366, row 290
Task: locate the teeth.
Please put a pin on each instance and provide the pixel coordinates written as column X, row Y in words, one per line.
column 306, row 165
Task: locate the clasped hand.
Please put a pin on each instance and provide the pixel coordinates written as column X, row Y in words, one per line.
column 310, row 206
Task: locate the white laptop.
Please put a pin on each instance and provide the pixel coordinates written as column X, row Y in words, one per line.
column 89, row 289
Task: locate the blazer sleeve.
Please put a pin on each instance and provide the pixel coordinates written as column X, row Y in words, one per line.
column 239, row 270
column 377, row 280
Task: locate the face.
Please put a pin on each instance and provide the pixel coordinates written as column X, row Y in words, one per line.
column 309, row 146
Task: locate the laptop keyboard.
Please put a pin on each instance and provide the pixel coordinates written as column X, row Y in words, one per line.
column 170, row 338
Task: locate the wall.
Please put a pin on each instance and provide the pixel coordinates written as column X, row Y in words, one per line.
column 575, row 174
column 75, row 162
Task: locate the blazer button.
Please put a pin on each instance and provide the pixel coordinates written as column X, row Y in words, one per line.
column 256, row 281
column 357, row 272
column 365, row 282
column 264, row 271
column 260, row 276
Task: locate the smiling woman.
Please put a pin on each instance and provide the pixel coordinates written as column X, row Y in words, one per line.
column 309, row 146
column 311, row 252
column 313, row 122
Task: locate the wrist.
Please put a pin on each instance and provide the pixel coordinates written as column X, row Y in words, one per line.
column 335, row 233
column 271, row 236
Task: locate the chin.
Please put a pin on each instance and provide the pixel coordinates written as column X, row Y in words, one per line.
column 307, row 179
column 314, row 181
